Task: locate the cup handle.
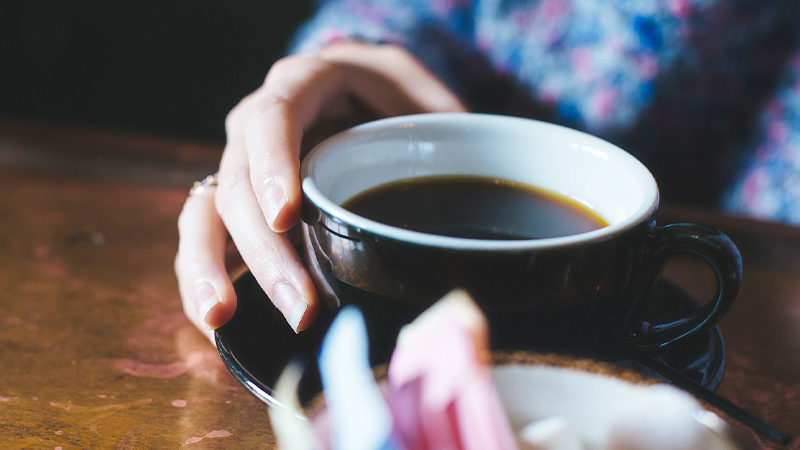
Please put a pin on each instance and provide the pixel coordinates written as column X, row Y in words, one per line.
column 716, row 249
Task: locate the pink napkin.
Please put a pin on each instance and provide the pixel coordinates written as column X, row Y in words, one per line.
column 442, row 394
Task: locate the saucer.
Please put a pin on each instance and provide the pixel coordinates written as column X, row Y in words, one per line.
column 257, row 343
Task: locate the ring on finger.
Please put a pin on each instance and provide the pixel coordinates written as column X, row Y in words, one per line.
column 201, row 186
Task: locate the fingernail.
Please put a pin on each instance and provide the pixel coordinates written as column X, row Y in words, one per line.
column 205, row 298
column 290, row 304
column 275, row 197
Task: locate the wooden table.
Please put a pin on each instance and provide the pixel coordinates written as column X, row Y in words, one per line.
column 95, row 351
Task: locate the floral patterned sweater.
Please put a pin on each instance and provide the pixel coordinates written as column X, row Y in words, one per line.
column 705, row 92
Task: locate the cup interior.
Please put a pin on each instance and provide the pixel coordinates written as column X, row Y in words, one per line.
column 589, row 170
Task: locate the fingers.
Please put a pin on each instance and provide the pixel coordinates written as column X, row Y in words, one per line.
column 259, row 194
column 270, row 256
column 271, row 135
column 400, row 69
column 296, row 94
column 206, row 289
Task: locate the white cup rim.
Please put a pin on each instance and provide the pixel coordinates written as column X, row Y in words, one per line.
column 342, row 215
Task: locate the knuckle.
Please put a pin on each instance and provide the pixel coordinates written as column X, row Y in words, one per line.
column 267, row 103
column 183, row 217
column 237, row 114
column 282, row 65
column 229, row 190
column 394, row 52
column 261, row 252
column 286, row 71
column 265, row 259
column 185, row 267
column 452, row 104
column 185, row 270
column 231, row 120
column 290, row 65
column 275, row 104
column 177, row 264
column 260, row 181
column 343, row 49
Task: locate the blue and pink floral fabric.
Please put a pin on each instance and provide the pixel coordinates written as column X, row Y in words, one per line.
column 705, row 92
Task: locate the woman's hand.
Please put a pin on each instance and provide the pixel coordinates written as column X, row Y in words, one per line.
column 258, row 196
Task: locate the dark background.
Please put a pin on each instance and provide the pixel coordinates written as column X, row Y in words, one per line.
column 160, row 67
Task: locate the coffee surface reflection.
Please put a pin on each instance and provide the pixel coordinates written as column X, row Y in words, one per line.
column 474, row 207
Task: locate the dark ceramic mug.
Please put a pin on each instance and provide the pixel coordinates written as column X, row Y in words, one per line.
column 584, row 293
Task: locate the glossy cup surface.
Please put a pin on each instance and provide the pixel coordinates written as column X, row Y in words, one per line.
column 573, row 293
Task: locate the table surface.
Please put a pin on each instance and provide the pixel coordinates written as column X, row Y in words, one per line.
column 95, row 349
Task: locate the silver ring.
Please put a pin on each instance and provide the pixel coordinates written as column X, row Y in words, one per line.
column 200, row 186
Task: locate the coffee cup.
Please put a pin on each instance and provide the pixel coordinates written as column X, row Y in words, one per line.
column 584, row 290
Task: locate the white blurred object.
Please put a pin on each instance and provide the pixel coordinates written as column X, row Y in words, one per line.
column 659, row 418
column 292, row 429
column 555, row 433
column 359, row 416
column 607, row 412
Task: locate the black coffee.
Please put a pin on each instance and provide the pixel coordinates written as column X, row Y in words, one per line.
column 474, row 207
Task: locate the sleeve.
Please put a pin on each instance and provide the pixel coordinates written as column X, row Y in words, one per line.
column 384, row 21
column 768, row 186
column 705, row 104
column 440, row 33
